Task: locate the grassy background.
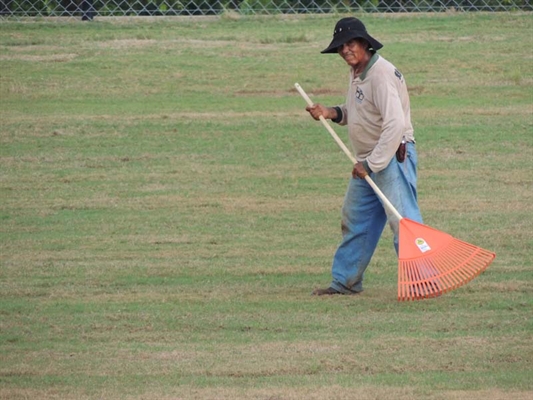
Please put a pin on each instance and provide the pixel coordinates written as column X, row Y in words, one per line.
column 167, row 206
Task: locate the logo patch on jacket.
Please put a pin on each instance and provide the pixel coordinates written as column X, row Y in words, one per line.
column 359, row 95
column 398, row 74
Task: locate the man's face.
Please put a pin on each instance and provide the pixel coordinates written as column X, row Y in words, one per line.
column 353, row 51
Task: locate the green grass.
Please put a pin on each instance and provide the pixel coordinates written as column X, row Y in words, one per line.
column 167, row 206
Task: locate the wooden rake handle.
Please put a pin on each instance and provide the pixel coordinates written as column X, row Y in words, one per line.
column 341, row 144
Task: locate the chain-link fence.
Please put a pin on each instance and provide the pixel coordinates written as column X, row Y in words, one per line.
column 88, row 9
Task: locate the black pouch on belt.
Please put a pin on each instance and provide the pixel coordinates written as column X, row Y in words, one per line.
column 400, row 153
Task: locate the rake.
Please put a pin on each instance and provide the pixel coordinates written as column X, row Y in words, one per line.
column 430, row 262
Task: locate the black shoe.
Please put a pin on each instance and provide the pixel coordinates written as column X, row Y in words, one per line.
column 325, row 292
column 330, row 291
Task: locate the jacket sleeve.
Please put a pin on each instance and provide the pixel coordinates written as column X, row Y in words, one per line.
column 341, row 115
column 387, row 100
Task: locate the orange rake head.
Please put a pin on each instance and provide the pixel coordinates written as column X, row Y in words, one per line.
column 432, row 262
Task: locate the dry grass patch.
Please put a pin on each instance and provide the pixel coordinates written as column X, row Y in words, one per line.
column 40, row 58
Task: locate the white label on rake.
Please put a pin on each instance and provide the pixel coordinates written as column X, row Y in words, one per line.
column 422, row 245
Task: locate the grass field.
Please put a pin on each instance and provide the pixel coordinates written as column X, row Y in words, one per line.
column 167, row 207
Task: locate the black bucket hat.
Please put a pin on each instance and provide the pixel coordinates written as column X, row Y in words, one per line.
column 348, row 29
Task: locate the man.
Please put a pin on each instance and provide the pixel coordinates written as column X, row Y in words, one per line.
column 377, row 114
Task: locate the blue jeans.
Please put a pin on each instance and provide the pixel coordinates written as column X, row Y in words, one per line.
column 364, row 218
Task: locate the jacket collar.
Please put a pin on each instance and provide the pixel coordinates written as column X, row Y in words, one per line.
column 371, row 62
